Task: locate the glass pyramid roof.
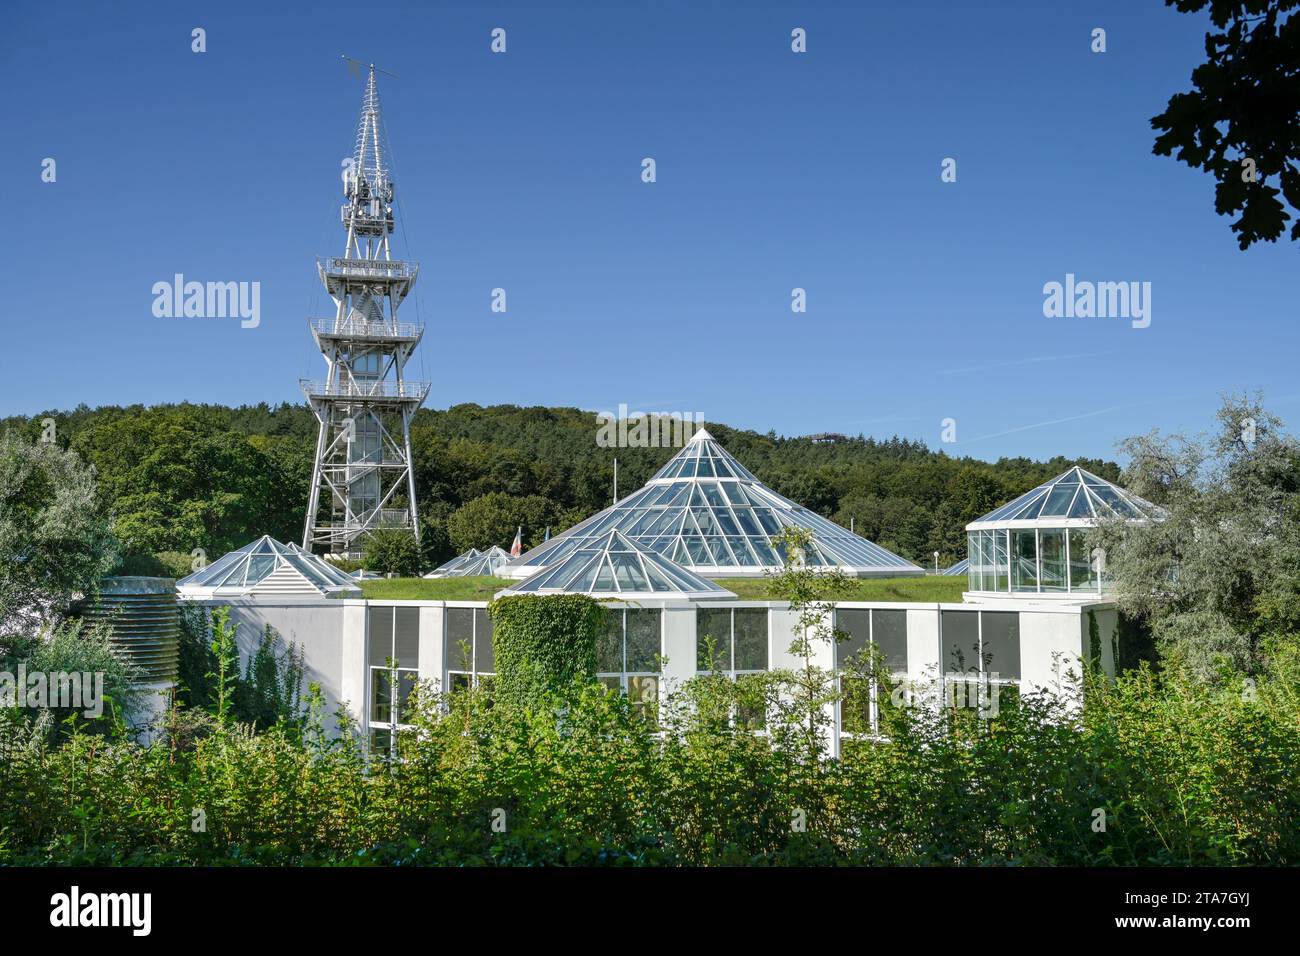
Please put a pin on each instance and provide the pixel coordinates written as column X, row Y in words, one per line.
column 705, row 511
column 1075, row 494
column 473, row 563
column 958, row 569
column 244, row 570
column 613, row 566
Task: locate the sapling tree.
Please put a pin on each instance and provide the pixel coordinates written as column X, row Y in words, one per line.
column 810, row 592
column 225, row 675
column 391, row 551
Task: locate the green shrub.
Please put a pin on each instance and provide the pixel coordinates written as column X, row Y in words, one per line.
column 1183, row 773
column 391, row 551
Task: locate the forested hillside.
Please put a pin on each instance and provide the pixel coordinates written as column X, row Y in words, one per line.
column 180, row 477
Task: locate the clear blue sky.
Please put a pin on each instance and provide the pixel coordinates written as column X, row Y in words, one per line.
column 522, row 171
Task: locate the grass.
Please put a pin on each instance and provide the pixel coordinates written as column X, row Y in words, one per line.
column 920, row 590
column 433, row 589
column 930, row 589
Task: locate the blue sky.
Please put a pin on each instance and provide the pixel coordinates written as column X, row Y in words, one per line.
column 522, row 171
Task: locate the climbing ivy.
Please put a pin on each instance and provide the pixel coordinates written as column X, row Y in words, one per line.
column 542, row 644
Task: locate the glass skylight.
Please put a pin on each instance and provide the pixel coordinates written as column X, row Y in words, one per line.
column 1074, row 494
column 957, row 570
column 270, row 566
column 704, row 510
column 473, row 563
column 614, row 566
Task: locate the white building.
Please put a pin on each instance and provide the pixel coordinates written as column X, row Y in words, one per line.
column 662, row 615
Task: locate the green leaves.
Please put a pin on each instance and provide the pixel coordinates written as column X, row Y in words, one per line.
column 392, row 551
column 543, row 645
column 1241, row 120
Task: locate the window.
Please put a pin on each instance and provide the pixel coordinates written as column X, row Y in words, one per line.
column 869, row 633
column 393, row 658
column 1024, row 560
column 737, row 638
column 467, row 637
column 1083, row 568
column 999, row 560
column 987, row 553
column 986, row 560
column 628, row 653
column 1051, row 551
column 979, row 653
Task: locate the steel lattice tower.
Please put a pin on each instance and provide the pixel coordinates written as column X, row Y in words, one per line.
column 362, row 478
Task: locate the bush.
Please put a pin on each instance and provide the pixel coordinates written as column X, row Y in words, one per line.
column 391, row 551
column 267, row 692
column 161, row 564
column 75, row 648
column 1185, row 775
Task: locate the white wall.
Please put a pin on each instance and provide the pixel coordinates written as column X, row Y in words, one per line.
column 1051, row 652
column 678, row 647
column 1053, row 640
column 316, row 625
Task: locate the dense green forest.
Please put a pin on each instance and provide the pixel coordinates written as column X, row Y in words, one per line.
column 180, row 477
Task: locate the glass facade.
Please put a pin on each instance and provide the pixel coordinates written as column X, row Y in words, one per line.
column 1033, row 561
column 616, row 566
column 473, row 563
column 1047, row 551
column 242, row 570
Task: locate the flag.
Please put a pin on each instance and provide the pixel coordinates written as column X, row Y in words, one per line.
column 548, row 534
column 517, row 548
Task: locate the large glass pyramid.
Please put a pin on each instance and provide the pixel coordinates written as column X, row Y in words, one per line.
column 268, row 566
column 1075, row 494
column 706, row 512
column 473, row 563
column 613, row 566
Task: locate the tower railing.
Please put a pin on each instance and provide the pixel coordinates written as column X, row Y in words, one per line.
column 401, row 391
column 335, row 327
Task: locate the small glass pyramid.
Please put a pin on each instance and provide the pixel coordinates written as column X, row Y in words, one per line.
column 268, row 566
column 614, row 566
column 1074, row 494
column 473, row 563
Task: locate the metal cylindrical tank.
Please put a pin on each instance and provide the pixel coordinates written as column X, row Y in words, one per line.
column 145, row 623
